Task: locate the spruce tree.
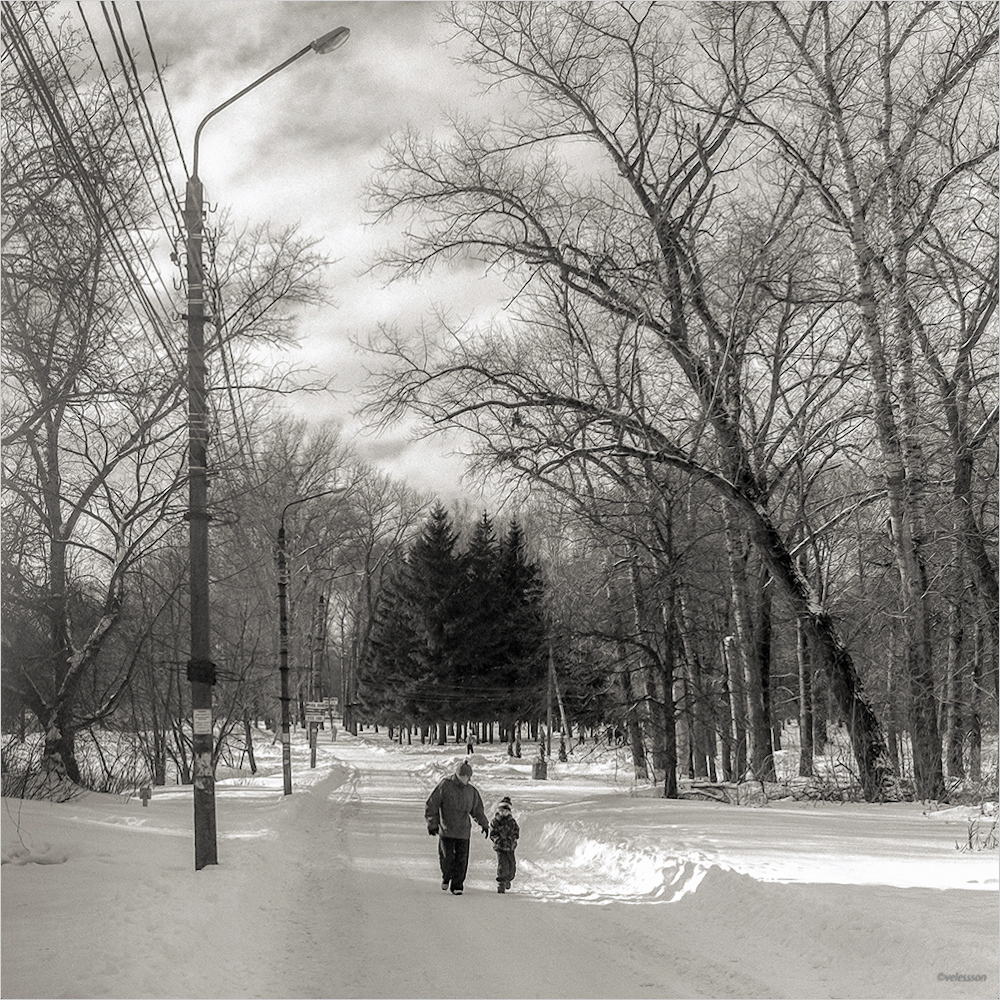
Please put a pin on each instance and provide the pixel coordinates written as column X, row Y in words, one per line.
column 458, row 636
column 389, row 675
column 521, row 617
column 432, row 603
column 481, row 640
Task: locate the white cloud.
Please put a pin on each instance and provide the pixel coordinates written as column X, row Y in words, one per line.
column 299, row 149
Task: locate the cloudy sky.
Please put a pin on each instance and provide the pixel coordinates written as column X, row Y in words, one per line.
column 300, row 148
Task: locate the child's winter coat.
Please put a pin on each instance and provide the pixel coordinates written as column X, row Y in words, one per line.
column 504, row 832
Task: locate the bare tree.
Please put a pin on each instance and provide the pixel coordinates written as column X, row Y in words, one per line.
column 887, row 112
column 94, row 423
column 93, row 402
column 627, row 337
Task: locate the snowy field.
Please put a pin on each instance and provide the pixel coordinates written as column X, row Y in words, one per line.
column 334, row 891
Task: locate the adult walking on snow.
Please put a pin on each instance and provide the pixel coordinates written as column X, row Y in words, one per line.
column 449, row 813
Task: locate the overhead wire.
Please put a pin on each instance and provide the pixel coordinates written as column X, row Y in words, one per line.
column 236, row 403
column 113, row 95
column 235, row 400
column 151, row 134
column 129, row 227
column 79, row 177
column 155, row 149
column 163, row 92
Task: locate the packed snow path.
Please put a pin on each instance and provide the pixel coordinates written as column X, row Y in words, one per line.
column 335, row 892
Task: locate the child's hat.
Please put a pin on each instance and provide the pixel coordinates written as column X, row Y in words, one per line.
column 504, row 803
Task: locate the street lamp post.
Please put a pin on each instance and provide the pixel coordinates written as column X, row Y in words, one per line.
column 200, row 668
column 286, row 720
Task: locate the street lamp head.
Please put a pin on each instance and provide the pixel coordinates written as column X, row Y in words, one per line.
column 330, row 41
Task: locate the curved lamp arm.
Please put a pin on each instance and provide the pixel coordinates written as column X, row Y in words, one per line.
column 314, row 496
column 325, row 43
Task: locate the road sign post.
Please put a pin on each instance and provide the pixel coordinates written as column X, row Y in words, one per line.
column 314, row 719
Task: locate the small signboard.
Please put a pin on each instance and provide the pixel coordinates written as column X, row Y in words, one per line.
column 314, row 716
column 202, row 721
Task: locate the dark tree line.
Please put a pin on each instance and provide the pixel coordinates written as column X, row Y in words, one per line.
column 458, row 634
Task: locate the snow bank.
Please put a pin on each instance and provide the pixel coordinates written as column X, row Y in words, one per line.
column 579, row 861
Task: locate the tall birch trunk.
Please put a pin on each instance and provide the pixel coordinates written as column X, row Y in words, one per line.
column 695, row 698
column 737, row 710
column 805, row 701
column 746, row 657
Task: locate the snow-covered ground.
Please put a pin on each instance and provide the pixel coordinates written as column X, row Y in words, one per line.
column 334, row 891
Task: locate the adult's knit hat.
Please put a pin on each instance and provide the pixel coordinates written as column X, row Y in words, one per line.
column 465, row 768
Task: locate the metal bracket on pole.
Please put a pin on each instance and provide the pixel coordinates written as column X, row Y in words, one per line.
column 201, row 672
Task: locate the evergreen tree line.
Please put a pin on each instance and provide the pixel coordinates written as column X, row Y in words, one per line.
column 458, row 633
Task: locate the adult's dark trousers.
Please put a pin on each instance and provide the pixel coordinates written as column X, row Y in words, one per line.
column 506, row 867
column 453, row 853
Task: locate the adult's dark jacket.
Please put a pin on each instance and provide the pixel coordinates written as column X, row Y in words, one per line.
column 451, row 808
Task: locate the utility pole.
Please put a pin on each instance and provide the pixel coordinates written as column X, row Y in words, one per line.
column 548, row 701
column 286, row 722
column 318, row 641
column 286, row 728
column 200, row 668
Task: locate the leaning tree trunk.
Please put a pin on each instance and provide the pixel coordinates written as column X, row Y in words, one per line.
column 874, row 770
column 893, row 410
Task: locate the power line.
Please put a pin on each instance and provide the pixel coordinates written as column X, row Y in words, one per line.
column 236, row 407
column 133, row 228
column 78, row 175
column 163, row 92
column 240, row 422
column 152, row 134
column 155, row 151
column 113, row 94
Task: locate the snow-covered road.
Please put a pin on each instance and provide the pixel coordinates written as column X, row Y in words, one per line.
column 334, row 892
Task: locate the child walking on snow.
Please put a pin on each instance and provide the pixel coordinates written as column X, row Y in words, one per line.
column 504, row 832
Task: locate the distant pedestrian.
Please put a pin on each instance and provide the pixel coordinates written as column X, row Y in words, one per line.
column 450, row 810
column 504, row 832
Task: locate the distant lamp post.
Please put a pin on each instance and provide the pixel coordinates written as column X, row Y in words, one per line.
column 201, row 669
column 286, row 720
